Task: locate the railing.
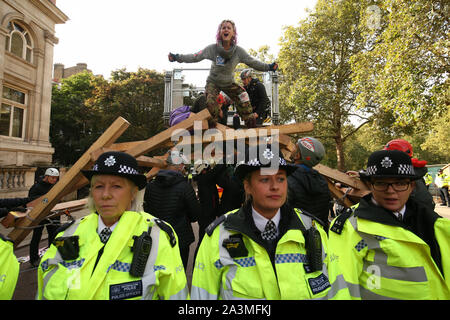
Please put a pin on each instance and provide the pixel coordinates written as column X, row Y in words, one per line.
column 16, row 178
column 176, row 74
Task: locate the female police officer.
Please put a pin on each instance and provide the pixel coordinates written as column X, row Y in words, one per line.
column 265, row 249
column 118, row 251
column 391, row 246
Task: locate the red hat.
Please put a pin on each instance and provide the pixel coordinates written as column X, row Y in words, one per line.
column 400, row 144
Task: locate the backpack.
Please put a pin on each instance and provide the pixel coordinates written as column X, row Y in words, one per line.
column 179, row 114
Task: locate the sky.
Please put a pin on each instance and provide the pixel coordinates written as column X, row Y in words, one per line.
column 114, row 34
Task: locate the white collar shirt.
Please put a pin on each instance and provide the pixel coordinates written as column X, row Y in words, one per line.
column 399, row 214
column 261, row 221
column 101, row 225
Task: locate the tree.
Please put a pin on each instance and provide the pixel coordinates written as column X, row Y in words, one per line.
column 135, row 96
column 404, row 66
column 73, row 124
column 315, row 62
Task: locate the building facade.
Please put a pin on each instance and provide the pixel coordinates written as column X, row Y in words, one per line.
column 27, row 40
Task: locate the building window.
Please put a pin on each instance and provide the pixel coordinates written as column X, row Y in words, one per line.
column 19, row 41
column 12, row 113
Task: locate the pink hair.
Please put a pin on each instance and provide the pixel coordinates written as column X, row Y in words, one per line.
column 234, row 39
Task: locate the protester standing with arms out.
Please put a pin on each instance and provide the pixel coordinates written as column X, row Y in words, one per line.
column 265, row 249
column 391, row 246
column 117, row 251
column 40, row 188
column 225, row 55
column 171, row 198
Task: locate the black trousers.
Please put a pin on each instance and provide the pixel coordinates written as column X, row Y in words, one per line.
column 36, row 238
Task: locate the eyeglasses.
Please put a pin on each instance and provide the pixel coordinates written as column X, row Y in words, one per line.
column 397, row 186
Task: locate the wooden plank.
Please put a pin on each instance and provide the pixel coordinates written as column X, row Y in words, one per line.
column 71, row 178
column 164, row 136
column 144, row 161
column 341, row 177
column 338, row 194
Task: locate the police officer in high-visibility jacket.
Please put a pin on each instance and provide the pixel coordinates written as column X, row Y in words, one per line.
column 118, row 251
column 9, row 266
column 9, row 269
column 390, row 246
column 266, row 249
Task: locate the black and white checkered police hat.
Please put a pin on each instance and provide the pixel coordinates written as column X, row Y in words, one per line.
column 389, row 164
column 118, row 164
column 262, row 156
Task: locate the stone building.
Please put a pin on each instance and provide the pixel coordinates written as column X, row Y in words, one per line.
column 60, row 72
column 27, row 39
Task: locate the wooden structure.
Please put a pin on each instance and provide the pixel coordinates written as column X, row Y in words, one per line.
column 74, row 179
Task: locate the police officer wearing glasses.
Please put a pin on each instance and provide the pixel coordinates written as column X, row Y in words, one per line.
column 390, row 246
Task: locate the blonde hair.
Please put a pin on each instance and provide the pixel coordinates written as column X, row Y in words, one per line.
column 137, row 204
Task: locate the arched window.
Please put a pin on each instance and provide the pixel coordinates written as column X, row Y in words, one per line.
column 19, row 41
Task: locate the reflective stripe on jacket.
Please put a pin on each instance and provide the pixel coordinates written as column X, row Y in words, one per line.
column 381, row 261
column 218, row 276
column 163, row 278
column 9, row 270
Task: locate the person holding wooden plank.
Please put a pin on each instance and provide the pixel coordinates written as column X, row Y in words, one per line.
column 118, row 251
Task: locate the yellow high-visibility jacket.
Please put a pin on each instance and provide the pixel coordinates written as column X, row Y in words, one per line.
column 251, row 273
column 9, row 269
column 164, row 276
column 384, row 258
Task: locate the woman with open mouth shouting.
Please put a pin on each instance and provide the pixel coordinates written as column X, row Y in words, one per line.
column 225, row 55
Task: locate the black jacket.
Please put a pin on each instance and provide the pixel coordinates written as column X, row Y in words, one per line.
column 7, row 205
column 420, row 192
column 258, row 98
column 171, row 198
column 308, row 191
column 39, row 189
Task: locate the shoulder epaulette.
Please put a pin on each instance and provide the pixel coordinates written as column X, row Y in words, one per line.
column 306, row 213
column 65, row 226
column 338, row 224
column 209, row 230
column 167, row 229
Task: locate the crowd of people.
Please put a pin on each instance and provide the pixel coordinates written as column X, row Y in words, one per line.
column 271, row 234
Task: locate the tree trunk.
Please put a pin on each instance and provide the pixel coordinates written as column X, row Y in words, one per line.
column 340, row 153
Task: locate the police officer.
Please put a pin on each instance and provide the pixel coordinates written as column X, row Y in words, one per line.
column 420, row 192
column 9, row 266
column 265, row 249
column 118, row 251
column 391, row 246
column 442, row 182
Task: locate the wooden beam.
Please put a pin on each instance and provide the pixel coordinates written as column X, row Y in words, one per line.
column 164, row 136
column 71, row 178
column 338, row 194
column 341, row 177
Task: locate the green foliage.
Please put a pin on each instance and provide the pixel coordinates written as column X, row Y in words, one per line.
column 315, row 62
column 84, row 106
column 73, row 124
column 136, row 96
column 404, row 66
